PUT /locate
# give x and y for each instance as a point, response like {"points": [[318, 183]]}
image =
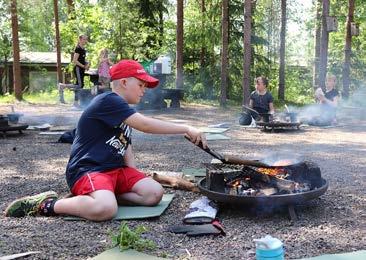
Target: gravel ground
{"points": [[334, 223]]}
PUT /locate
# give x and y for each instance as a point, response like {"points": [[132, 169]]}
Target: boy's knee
{"points": [[104, 212], [153, 198]]}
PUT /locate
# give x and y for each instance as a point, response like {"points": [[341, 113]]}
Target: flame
{"points": [[270, 171], [283, 162], [236, 183]]}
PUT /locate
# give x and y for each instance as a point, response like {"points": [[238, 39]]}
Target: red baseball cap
{"points": [[131, 68]]}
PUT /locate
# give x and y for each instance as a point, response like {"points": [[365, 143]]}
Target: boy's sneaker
{"points": [[28, 206]]}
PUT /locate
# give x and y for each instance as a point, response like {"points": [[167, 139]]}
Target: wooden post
{"points": [[179, 50], [224, 51], [318, 4], [281, 87], [348, 49], [324, 45], [17, 81], [247, 50], [58, 44]]}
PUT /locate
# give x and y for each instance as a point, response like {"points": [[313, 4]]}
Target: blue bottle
{"points": [[269, 248]]}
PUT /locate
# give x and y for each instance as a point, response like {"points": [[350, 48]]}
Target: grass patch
{"points": [[44, 97], [127, 238]]}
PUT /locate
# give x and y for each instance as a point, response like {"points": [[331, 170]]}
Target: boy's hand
{"points": [[196, 136]]}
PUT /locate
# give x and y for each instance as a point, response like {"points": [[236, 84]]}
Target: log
{"points": [[175, 182], [283, 185], [287, 186]]}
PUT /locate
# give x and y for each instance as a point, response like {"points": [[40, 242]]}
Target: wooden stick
{"points": [[175, 182]]}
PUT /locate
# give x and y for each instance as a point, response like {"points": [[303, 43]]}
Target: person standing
{"points": [[103, 71], [80, 65]]}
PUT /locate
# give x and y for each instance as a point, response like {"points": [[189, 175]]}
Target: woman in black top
{"points": [[81, 65]]}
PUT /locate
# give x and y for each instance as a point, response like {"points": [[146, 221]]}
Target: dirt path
{"points": [[336, 222]]}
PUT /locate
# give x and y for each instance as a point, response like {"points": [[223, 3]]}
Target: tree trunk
{"points": [[348, 49], [318, 4], [70, 7], [120, 42], [203, 38], [58, 44], [179, 54], [17, 83], [224, 52], [281, 87], [161, 23], [324, 45], [247, 50]]}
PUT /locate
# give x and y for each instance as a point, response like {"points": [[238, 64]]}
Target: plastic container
{"points": [[163, 65], [269, 248]]}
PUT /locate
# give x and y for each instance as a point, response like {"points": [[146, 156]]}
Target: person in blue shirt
{"points": [[327, 103], [101, 172]]}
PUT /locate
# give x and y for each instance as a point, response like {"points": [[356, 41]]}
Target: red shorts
{"points": [[119, 181]]}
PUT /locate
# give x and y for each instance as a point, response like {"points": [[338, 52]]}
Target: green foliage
{"points": [[145, 29], [5, 31], [36, 14], [131, 239], [41, 97]]}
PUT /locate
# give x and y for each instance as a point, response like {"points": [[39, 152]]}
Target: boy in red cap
{"points": [[101, 171]]}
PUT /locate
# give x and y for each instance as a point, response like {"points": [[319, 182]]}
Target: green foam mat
{"points": [[116, 254], [138, 212], [357, 255]]}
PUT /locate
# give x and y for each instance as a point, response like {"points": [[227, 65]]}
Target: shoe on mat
{"points": [[28, 206]]}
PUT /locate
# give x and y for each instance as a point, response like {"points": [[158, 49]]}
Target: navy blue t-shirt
{"points": [[331, 94], [261, 102], [101, 138]]}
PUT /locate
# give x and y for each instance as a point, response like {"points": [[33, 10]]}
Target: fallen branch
{"points": [[175, 182]]}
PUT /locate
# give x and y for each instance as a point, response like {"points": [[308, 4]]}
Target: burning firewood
{"points": [[287, 186], [175, 182]]}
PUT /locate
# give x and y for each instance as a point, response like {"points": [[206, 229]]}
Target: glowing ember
{"points": [[270, 171]]}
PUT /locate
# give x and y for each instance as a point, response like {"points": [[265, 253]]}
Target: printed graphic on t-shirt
{"points": [[121, 142]]}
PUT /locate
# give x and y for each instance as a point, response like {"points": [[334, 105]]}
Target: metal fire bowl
{"points": [[272, 200], [278, 124]]}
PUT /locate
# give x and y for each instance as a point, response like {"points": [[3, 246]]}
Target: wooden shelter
{"points": [[38, 70]]}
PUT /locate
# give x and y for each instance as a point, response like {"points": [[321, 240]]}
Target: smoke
{"points": [[354, 108], [67, 120]]}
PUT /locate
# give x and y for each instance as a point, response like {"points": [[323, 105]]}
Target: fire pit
{"points": [[281, 121], [263, 187], [277, 125], [6, 125]]}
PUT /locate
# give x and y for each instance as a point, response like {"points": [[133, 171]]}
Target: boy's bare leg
{"points": [[146, 192], [98, 206]]}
